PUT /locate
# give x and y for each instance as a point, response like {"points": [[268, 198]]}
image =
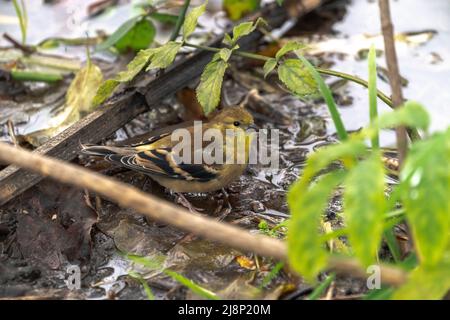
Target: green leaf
{"points": [[190, 22], [225, 54], [411, 114], [269, 66], [236, 9], [425, 179], [205, 293], [425, 284], [243, 29], [104, 91], [227, 39], [208, 91], [164, 56], [82, 90], [306, 252], [138, 38], [364, 207], [280, 2], [119, 33], [288, 47], [297, 78], [133, 68], [164, 17]]}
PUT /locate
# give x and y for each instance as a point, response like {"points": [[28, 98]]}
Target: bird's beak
{"points": [[253, 126]]}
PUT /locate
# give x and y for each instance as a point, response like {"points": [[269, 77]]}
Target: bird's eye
{"points": [[236, 123]]}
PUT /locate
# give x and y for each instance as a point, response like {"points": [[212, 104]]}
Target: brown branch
{"points": [[163, 211], [16, 44], [393, 73]]}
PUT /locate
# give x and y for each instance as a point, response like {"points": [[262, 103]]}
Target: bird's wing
{"points": [[151, 139], [161, 162]]}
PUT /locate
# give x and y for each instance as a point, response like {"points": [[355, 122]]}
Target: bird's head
{"points": [[234, 118]]}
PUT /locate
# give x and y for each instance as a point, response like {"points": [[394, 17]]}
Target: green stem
{"points": [[21, 75], [357, 80], [180, 20], [329, 72], [412, 132]]}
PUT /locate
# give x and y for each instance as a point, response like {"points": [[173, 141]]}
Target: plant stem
{"points": [[414, 135], [394, 73], [383, 97], [180, 20], [21, 75], [329, 72]]}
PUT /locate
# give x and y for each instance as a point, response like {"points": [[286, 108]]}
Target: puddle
{"points": [[423, 54]]}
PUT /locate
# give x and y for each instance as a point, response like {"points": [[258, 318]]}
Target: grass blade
{"points": [[21, 12], [320, 289], [373, 111], [144, 283], [271, 275], [205, 293], [326, 94]]}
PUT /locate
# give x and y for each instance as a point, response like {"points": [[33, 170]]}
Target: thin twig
{"points": [[180, 20], [393, 72], [163, 211], [16, 44]]}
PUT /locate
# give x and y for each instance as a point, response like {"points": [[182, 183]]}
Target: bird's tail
{"points": [[103, 151]]}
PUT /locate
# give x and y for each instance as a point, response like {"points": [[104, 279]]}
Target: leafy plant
{"points": [[138, 32], [423, 187], [297, 74]]}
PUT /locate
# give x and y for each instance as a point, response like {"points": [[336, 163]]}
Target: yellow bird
{"points": [[156, 155]]}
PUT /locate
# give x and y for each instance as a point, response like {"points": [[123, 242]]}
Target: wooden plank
{"points": [[119, 110]]}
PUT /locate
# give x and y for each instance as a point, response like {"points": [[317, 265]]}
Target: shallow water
{"points": [[425, 65]]}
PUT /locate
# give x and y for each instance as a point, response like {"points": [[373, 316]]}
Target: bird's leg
{"points": [[181, 199], [226, 198], [224, 212]]}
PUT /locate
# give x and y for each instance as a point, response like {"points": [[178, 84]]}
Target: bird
{"points": [[156, 155]]}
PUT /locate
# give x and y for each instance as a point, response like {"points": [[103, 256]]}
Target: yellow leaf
{"points": [[82, 90], [245, 262]]}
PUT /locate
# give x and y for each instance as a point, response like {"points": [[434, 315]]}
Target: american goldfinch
{"points": [[156, 156]]}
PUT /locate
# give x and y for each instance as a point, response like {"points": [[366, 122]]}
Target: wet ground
{"points": [[50, 227]]}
